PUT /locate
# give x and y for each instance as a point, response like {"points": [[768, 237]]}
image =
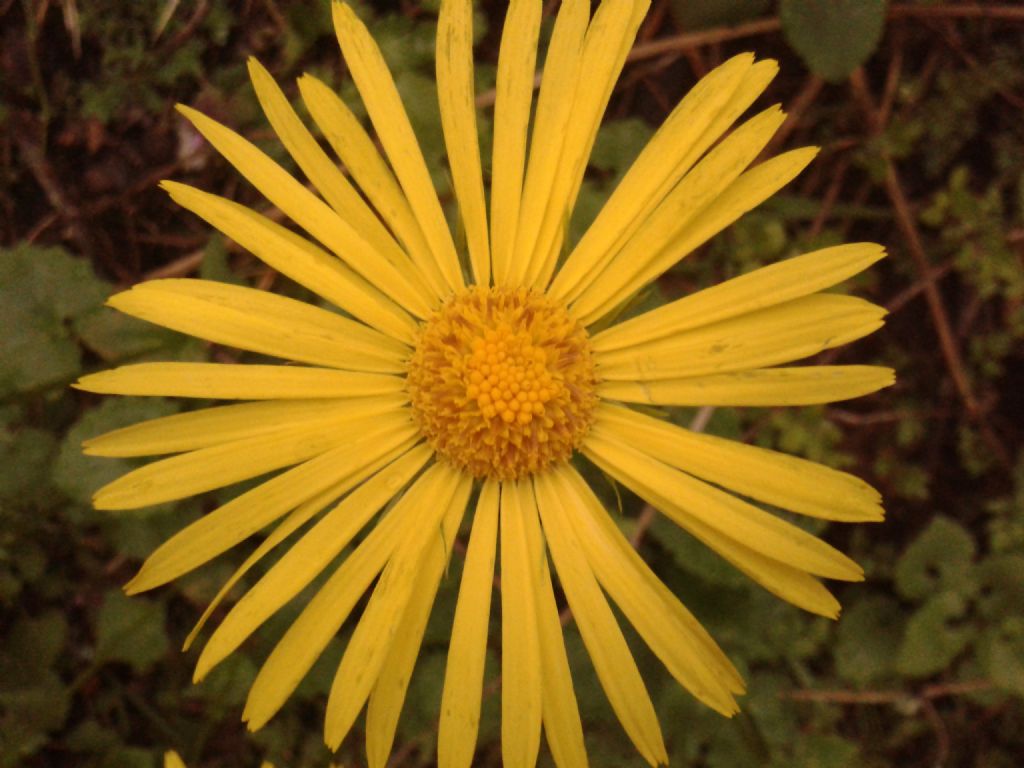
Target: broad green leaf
{"points": [[79, 476], [131, 630], [866, 634], [833, 37], [934, 636], [938, 560], [33, 699], [41, 289]]}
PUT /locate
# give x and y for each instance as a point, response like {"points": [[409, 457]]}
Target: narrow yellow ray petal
{"points": [[517, 60], [612, 659], [323, 616], [554, 105], [467, 650], [744, 194], [455, 92], [172, 760], [521, 704], [262, 322], [561, 713], [212, 426], [769, 476], [685, 499], [761, 288], [609, 38], [656, 170], [297, 258], [384, 105], [376, 631], [646, 601], [295, 520], [797, 385], [750, 88], [309, 556], [237, 382], [780, 334], [389, 691], [353, 145], [653, 248], [308, 211], [325, 175], [672, 633], [188, 474], [244, 515], [783, 580]]}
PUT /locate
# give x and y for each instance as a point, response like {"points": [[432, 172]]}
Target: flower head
{"points": [[450, 377]]}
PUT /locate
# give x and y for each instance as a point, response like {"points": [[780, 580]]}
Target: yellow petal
{"points": [[613, 661], [323, 616], [295, 520], [686, 500], [377, 629], [262, 322], [353, 145], [674, 635], [464, 672], [173, 760], [517, 60], [656, 244], [554, 105], [188, 474], [796, 329], [384, 106], [656, 170], [609, 38], [562, 726], [308, 211], [769, 476], [771, 386], [761, 288], [212, 426], [389, 691], [455, 92], [237, 382], [244, 515], [297, 258], [326, 176], [521, 704], [298, 567]]}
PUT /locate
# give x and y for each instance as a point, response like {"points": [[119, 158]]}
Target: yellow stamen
{"points": [[502, 382]]}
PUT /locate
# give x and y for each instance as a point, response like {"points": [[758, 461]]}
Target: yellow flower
{"points": [[449, 376]]}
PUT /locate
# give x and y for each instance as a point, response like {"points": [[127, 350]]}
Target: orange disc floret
{"points": [[502, 382]]}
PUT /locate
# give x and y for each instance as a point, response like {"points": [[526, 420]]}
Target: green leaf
{"points": [[933, 637], [1000, 586], [867, 633], [938, 560], [78, 475], [833, 37], [130, 630], [33, 699], [41, 289], [115, 337], [1002, 655], [25, 457], [618, 143]]}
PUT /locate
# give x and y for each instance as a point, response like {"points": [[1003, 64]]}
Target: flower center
{"points": [[502, 382]]}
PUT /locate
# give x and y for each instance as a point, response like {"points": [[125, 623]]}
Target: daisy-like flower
{"points": [[485, 375]]}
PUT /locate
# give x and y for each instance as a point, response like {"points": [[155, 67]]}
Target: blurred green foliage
{"points": [[924, 668]]}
